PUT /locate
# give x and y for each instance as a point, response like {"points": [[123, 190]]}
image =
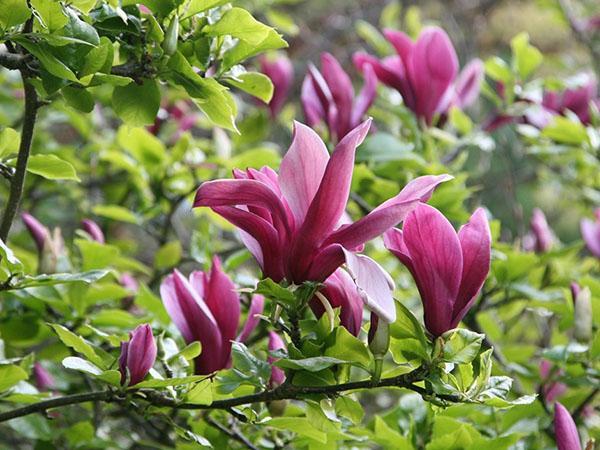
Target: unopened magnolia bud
{"points": [[53, 253], [379, 336], [277, 407], [169, 45], [583, 316]]}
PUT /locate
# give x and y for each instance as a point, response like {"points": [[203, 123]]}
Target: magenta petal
{"points": [[434, 67], [437, 264], [256, 308], [277, 374], [391, 73], [264, 245], [541, 231], [475, 241], [331, 198], [375, 286], [420, 188], [565, 430], [468, 83], [140, 353], [402, 43], [590, 231], [342, 92], [366, 96], [311, 103], [394, 242], [281, 72], [93, 229], [243, 192], [302, 169], [43, 379], [325, 262], [38, 231]]}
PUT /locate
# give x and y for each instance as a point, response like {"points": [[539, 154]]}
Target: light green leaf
{"points": [[244, 50], [7, 255], [154, 383], [11, 375], [77, 343], [344, 346], [254, 83], [137, 104], [82, 365], [460, 345], [239, 23], [197, 6], [526, 58], [9, 141], [314, 364], [201, 393], [13, 12], [51, 13], [51, 167], [565, 131], [60, 278], [50, 62], [298, 425], [116, 212]]}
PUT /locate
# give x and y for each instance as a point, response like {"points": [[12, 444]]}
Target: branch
{"points": [[231, 432], [283, 392], [13, 61]]}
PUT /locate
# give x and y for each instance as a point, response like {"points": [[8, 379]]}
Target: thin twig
{"points": [[231, 432]]}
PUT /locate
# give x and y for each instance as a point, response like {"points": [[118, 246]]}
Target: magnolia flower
{"points": [[292, 222], [577, 99], [565, 431], [341, 292], [449, 268], [205, 308], [425, 73], [43, 379], [93, 230], [137, 355], [590, 230], [277, 374], [281, 72], [541, 237], [552, 390], [51, 247], [328, 96]]}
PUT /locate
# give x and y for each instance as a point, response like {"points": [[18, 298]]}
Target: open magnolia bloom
{"points": [[425, 72], [292, 221], [449, 268]]}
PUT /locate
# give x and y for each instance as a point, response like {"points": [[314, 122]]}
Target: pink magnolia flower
{"points": [[541, 237], [205, 308], [341, 292], [552, 390], [565, 431], [138, 355], [576, 99], [277, 374], [328, 96], [43, 379], [590, 230], [281, 72], [425, 72], [449, 268], [93, 230], [291, 222]]}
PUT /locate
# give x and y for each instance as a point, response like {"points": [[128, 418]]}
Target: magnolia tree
{"points": [[199, 249]]}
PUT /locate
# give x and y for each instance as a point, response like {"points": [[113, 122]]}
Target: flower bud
{"points": [[169, 45], [277, 374], [582, 324], [43, 379], [137, 355], [565, 430], [379, 336], [38, 231], [93, 229]]}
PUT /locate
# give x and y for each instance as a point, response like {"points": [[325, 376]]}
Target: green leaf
{"points": [[11, 375], [189, 352], [460, 345], [526, 58], [9, 141], [13, 12], [168, 255], [51, 167], [116, 212], [51, 14], [374, 38], [82, 365], [344, 346], [497, 69], [349, 408], [51, 63], [146, 299], [253, 83], [565, 131], [145, 148], [7, 256], [244, 50], [298, 425], [387, 437], [78, 98], [61, 278], [275, 291], [201, 393], [460, 121], [77, 343], [197, 6], [239, 23], [98, 59], [137, 104], [314, 364], [115, 318]]}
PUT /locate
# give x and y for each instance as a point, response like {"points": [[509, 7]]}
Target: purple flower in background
{"points": [[43, 379], [205, 308], [425, 73], [328, 97], [51, 247], [552, 390], [541, 237], [590, 231], [341, 292], [449, 268], [292, 222], [137, 355], [281, 72], [565, 431], [576, 99], [39, 232], [277, 374], [93, 229]]}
